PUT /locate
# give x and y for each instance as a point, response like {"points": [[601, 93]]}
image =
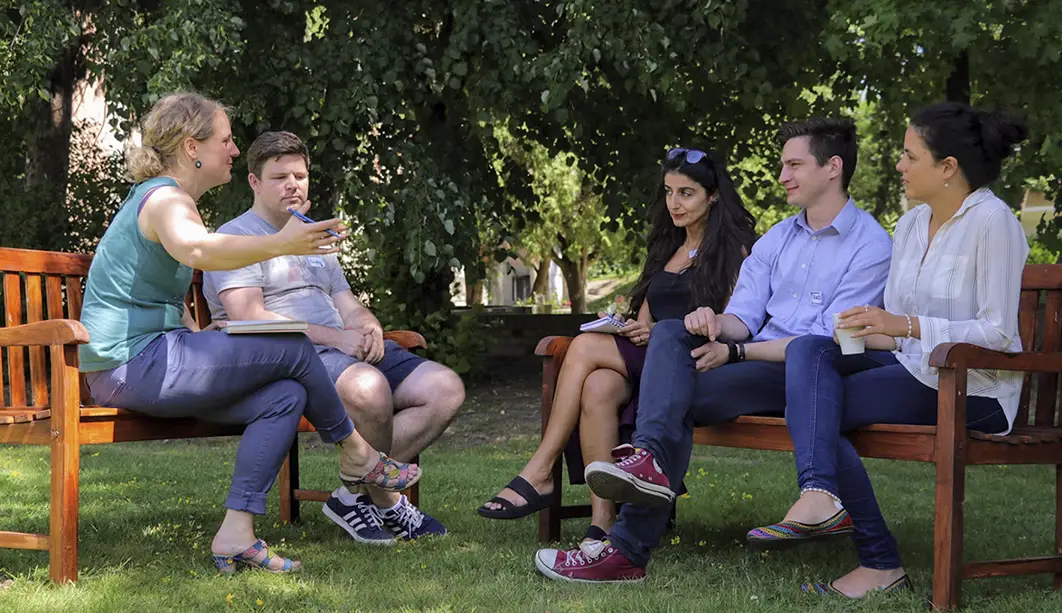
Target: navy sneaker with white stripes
{"points": [[361, 520], [406, 521]]}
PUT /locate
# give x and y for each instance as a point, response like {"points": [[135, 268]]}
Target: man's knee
{"points": [[448, 393], [366, 393], [803, 347], [670, 331]]}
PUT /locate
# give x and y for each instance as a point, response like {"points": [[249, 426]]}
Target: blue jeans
{"points": [[674, 398], [830, 394], [266, 382]]}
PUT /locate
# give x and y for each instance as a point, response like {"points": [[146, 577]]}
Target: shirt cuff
{"points": [[932, 332]]}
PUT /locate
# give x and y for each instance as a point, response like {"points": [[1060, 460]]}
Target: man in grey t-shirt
{"points": [[399, 402]]}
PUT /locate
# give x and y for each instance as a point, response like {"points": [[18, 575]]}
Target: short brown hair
{"points": [[828, 138], [270, 145]]}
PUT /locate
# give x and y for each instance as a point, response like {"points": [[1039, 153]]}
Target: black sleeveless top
{"points": [[669, 295]]}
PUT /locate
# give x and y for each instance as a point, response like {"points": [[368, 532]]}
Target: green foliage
{"points": [[1039, 253], [402, 105]]}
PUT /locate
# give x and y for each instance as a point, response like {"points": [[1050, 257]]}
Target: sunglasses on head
{"points": [[692, 155]]}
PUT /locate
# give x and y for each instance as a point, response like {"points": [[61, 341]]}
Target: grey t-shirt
{"points": [[299, 287]]}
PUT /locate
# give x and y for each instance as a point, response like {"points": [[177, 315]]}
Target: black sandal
{"points": [[535, 502]]}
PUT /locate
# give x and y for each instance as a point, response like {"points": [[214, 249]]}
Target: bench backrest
{"points": [[1040, 326], [39, 285]]}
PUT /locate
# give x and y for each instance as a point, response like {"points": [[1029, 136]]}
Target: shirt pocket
{"points": [[950, 276]]}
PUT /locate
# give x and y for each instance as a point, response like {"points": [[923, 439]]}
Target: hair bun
{"points": [[1000, 132]]}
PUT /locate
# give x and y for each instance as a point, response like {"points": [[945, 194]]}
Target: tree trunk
{"points": [[541, 286], [574, 272], [474, 292], [957, 88], [48, 153]]}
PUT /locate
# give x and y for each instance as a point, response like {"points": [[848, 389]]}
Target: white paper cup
{"points": [[849, 345]]}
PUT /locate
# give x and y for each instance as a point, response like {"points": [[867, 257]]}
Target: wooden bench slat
{"points": [[44, 262], [16, 366], [32, 413], [24, 540], [1027, 326], [38, 369], [53, 289]]}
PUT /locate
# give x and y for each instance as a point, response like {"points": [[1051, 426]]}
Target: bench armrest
{"points": [[45, 333], [966, 355], [553, 346], [407, 338]]}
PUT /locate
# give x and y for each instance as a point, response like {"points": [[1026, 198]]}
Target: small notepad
{"points": [[607, 325], [265, 326]]}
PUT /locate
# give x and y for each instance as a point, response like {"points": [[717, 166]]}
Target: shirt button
{"points": [[814, 238], [803, 265], [796, 295]]}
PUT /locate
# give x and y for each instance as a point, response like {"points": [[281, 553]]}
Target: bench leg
{"points": [[1058, 520], [62, 548], [549, 518], [65, 466], [288, 482], [413, 493]]}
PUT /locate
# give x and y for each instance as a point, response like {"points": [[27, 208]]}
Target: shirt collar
{"points": [[976, 197], [842, 223]]}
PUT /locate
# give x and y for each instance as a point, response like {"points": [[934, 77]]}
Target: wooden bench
{"points": [[1036, 438], [45, 400]]}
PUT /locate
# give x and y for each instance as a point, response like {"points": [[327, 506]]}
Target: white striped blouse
{"points": [[965, 289]]}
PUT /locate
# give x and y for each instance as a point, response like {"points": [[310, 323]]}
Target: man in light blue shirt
{"points": [[714, 367]]}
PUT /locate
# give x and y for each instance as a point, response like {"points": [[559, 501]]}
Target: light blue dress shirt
{"points": [[795, 279]]}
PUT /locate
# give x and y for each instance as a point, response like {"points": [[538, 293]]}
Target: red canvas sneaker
{"points": [[634, 478], [590, 562]]}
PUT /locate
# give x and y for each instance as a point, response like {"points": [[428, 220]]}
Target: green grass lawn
{"points": [[149, 511]]}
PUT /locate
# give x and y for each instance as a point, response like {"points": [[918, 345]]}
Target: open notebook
{"points": [[607, 324], [265, 326]]}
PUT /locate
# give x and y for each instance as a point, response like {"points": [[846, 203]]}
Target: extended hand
{"points": [[300, 238]]}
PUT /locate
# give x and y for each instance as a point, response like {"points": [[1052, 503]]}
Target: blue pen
{"points": [[308, 220]]}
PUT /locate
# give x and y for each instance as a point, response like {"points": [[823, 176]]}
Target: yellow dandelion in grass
{"points": [[260, 602], [229, 598], [676, 540], [701, 543]]}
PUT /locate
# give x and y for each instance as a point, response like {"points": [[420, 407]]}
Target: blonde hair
{"points": [[173, 119]]}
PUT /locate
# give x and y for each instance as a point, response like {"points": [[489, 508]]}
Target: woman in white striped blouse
{"points": [[955, 276]]}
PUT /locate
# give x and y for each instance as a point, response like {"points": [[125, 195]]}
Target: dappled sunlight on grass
{"points": [[149, 511]]}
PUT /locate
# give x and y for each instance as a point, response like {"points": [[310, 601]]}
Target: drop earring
{"points": [[945, 183], [199, 164]]}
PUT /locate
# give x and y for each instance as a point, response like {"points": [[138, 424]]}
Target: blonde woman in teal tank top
{"points": [[146, 353]]}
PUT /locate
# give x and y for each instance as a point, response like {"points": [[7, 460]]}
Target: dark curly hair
{"points": [[729, 232]]}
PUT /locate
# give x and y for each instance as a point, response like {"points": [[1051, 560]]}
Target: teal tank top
{"points": [[135, 290]]}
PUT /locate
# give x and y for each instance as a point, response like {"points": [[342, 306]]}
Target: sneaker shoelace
{"points": [[631, 459], [409, 517], [374, 516], [585, 554]]}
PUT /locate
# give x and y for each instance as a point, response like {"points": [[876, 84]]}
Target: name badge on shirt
{"points": [[317, 261], [816, 297]]}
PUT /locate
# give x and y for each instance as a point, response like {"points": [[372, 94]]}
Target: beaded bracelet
{"points": [[910, 329]]}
